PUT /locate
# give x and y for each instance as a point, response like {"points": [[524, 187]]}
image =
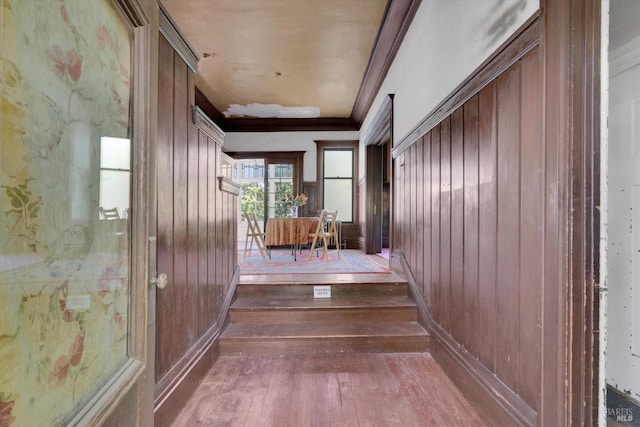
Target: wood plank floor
{"points": [[384, 389]]}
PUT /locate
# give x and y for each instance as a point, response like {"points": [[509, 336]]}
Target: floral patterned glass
{"points": [[64, 199]]}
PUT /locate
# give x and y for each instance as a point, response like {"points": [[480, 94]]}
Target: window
{"points": [[337, 171], [115, 175]]}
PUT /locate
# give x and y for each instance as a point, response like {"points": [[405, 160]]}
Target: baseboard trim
{"points": [[176, 387], [497, 404]]}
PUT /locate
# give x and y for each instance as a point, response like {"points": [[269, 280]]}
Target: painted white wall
{"points": [[286, 141], [447, 41], [622, 202]]}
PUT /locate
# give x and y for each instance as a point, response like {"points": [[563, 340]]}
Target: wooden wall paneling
{"points": [[397, 238], [555, 300], [394, 184], [212, 189], [398, 191], [445, 223], [456, 304], [435, 225], [408, 214], [218, 235], [401, 186], [165, 200], [205, 318], [406, 203], [224, 267], [179, 336], [192, 326], [428, 225], [419, 203], [487, 226], [508, 277], [223, 251], [471, 231], [412, 208], [229, 237], [501, 269], [531, 230]]}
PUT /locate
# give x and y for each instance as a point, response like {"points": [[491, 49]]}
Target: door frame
{"points": [[274, 157], [375, 141], [570, 69]]}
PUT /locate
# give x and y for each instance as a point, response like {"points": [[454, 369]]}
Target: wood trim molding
{"points": [[176, 39], [269, 155], [244, 124], [98, 409], [517, 46], [228, 185], [395, 24], [570, 48], [381, 129], [208, 108], [206, 125], [134, 12], [498, 404]]}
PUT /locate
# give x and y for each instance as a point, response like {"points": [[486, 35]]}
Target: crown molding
{"points": [[395, 24]]}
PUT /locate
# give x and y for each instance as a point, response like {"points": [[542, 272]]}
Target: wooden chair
{"points": [[325, 232], [254, 234], [109, 214]]}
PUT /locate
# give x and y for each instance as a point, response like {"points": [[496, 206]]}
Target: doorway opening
{"points": [[267, 181], [379, 173]]}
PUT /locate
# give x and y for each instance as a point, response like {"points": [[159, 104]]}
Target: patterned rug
{"points": [[282, 262]]}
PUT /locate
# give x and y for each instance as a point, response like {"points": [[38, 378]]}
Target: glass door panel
{"points": [[280, 189], [65, 187]]}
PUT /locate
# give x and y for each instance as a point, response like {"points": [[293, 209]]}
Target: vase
{"points": [[294, 211]]}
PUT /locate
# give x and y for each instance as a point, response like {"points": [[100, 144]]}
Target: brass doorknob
{"points": [[159, 282]]}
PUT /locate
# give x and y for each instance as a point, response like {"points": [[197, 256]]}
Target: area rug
{"points": [[282, 262]]}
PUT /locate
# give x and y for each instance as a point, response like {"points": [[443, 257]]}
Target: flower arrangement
{"points": [[299, 200]]}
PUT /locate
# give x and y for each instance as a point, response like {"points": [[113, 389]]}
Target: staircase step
{"points": [[398, 288], [324, 338], [336, 309]]}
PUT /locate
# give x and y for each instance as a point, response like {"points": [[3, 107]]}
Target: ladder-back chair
{"points": [[109, 214], [325, 232], [254, 234]]}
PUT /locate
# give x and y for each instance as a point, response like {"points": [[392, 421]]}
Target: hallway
{"points": [[384, 389]]}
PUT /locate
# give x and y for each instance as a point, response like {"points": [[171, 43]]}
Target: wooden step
{"points": [[278, 314], [397, 288], [337, 309], [282, 338]]}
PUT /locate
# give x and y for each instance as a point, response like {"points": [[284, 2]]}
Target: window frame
{"points": [[341, 145]]}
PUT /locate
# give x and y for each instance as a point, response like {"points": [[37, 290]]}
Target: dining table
{"points": [[292, 232]]}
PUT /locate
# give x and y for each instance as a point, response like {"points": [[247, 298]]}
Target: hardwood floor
{"points": [[385, 389]]}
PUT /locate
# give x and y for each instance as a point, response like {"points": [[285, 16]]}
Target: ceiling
{"points": [[310, 62]]}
